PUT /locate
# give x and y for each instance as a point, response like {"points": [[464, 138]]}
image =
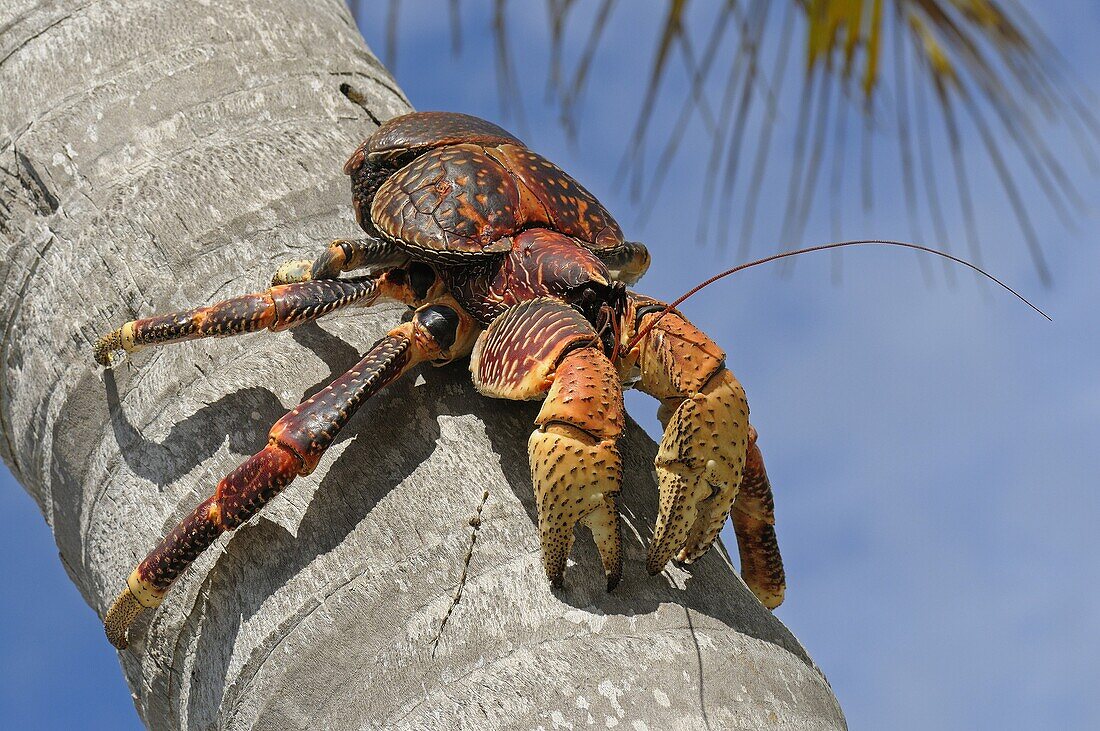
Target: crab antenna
{"points": [[823, 247]]}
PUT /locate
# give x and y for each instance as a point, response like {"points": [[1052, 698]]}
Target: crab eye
{"points": [[588, 296]]}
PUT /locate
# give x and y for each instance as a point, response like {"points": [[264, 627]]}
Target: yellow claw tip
{"points": [[108, 350], [115, 346], [120, 616]]}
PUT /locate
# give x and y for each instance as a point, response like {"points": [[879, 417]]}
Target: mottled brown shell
{"points": [[421, 131], [471, 188], [565, 205], [454, 199]]}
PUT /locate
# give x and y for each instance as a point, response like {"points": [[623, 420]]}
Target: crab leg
{"points": [[295, 446], [754, 524], [341, 255], [706, 420], [575, 464], [545, 348], [277, 308]]}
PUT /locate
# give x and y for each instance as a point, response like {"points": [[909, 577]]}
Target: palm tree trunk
{"points": [[161, 155]]}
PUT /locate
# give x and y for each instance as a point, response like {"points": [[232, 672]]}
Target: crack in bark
{"points": [[475, 523], [5, 342], [45, 201]]}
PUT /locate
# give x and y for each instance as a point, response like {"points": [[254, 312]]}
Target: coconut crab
{"points": [[504, 258]]}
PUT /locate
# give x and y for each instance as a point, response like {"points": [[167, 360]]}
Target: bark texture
{"points": [[155, 156]]}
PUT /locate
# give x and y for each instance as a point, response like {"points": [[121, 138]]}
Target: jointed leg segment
{"points": [[296, 444], [277, 308], [342, 255], [575, 464], [754, 524]]}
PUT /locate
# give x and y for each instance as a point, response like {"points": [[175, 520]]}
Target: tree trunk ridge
{"points": [[157, 156]]}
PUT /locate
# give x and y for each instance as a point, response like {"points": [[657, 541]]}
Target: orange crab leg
{"points": [[754, 524], [296, 444], [277, 308], [709, 465], [544, 348]]}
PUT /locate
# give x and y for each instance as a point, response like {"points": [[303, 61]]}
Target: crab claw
{"points": [[576, 481], [699, 469], [545, 348]]}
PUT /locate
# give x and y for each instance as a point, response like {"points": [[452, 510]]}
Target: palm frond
{"points": [[935, 73]]}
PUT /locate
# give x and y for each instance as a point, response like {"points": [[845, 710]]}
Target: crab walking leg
{"points": [[575, 464], [706, 420], [754, 524], [295, 446], [277, 308], [341, 255]]}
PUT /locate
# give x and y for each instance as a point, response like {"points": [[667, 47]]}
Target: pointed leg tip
{"points": [[687, 557], [556, 579], [108, 351], [124, 610], [769, 598], [613, 580]]}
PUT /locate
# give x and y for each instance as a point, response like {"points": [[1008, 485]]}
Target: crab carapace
{"points": [[506, 259]]}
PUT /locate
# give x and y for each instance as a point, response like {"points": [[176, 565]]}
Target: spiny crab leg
{"points": [[295, 446], [546, 348], [277, 308], [754, 524], [341, 255], [706, 419], [575, 464]]}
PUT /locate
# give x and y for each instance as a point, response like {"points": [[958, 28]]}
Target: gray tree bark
{"points": [[160, 155]]}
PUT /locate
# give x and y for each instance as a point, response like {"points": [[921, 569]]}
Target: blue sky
{"points": [[933, 447]]}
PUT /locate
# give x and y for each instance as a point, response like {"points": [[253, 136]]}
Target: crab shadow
{"points": [[263, 556]]}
